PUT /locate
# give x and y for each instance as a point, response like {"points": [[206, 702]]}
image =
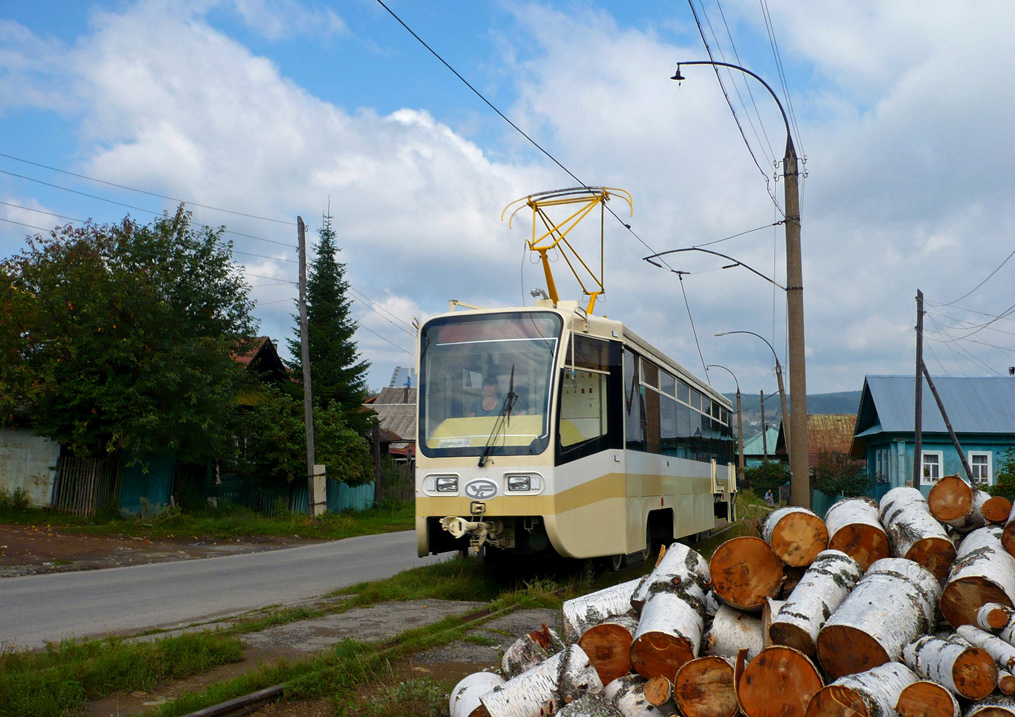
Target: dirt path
{"points": [[35, 550]]}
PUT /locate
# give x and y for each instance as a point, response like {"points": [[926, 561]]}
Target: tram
{"points": [[547, 430]]}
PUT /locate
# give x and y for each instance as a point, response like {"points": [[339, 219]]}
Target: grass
{"points": [[59, 679], [225, 523]]}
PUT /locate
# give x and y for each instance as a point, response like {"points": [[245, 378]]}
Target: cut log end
{"points": [[798, 538], [864, 543], [950, 498], [608, 647], [963, 597], [745, 571], [658, 690], [1006, 683], [779, 682], [996, 509], [844, 650], [926, 699], [837, 701], [704, 688], [657, 654], [784, 633], [993, 616], [975, 674], [936, 554]]}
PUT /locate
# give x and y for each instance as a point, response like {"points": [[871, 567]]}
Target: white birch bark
{"points": [[982, 572], [796, 535], [670, 630], [824, 586], [878, 689], [628, 696], [768, 613], [589, 706], [678, 565], [465, 697], [890, 606], [993, 706], [712, 603], [913, 532], [924, 698], [995, 617], [1001, 651], [529, 650], [731, 631], [966, 670], [583, 612], [855, 529], [551, 684]]}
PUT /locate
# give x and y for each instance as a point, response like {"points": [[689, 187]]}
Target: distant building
{"points": [[980, 410], [755, 448], [396, 412], [826, 433]]}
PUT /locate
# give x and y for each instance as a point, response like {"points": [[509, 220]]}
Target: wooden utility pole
{"points": [[315, 502], [918, 411], [948, 425], [764, 429]]}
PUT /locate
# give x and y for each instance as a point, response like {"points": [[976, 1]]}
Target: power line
{"points": [[950, 303]]}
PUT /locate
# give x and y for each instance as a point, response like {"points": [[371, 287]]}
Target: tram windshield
{"points": [[468, 367]]}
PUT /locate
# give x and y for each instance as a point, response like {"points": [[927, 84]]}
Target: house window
{"points": [[932, 461], [980, 465], [881, 465]]}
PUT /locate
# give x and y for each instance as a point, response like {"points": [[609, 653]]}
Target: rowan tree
{"points": [[123, 336]]}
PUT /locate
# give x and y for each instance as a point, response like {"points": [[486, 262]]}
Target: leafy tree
{"points": [[338, 375], [120, 337], [272, 441], [839, 474], [769, 475], [1004, 479]]}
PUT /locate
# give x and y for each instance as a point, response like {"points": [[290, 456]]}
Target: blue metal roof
{"points": [[753, 446], [974, 404]]}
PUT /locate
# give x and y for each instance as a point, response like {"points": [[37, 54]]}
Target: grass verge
{"points": [[59, 679]]}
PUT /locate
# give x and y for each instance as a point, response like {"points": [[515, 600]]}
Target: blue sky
{"points": [[270, 110]]}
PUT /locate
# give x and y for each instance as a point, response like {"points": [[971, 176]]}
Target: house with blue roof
{"points": [[981, 411]]}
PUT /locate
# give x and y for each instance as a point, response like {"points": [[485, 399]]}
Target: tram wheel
{"points": [[646, 552], [615, 562]]}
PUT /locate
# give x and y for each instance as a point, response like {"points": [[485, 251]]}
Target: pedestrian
{"points": [[768, 497]]}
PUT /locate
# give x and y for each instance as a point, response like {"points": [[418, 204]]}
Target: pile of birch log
{"points": [[904, 607]]}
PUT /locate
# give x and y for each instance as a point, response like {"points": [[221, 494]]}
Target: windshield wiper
{"points": [[503, 417]]}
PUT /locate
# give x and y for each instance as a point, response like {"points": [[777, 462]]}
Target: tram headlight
{"points": [[447, 484], [519, 483]]}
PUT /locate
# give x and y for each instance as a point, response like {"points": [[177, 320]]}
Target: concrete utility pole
{"points": [[316, 500], [918, 410], [740, 423], [800, 493], [764, 429]]}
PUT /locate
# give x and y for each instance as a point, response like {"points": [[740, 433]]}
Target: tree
{"points": [[767, 476], [124, 336], [840, 474], [1004, 479], [338, 375]]}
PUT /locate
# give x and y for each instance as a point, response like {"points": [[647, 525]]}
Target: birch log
{"points": [[732, 631], [1008, 534], [703, 687], [608, 646], [659, 690], [548, 686], [1002, 652], [955, 502], [796, 535], [983, 573], [529, 650], [824, 586], [914, 533], [927, 699], [779, 682], [890, 606], [589, 706], [744, 572], [866, 694], [627, 694], [1005, 682], [465, 697], [855, 529], [679, 564], [583, 612], [768, 614], [670, 630], [995, 706], [966, 670], [994, 616], [997, 509]]}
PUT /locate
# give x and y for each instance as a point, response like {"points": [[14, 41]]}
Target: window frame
{"points": [[990, 466], [923, 466]]}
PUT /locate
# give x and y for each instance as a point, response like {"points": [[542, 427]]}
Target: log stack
{"points": [[852, 639]]}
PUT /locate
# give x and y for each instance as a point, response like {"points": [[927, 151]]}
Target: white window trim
{"points": [[990, 464], [940, 465]]}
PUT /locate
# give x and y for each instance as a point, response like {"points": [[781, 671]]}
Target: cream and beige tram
{"points": [[546, 430]]}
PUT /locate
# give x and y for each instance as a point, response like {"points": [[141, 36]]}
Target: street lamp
{"points": [[798, 453], [782, 389], [740, 424]]}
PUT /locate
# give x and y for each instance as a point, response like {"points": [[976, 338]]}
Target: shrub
{"points": [[1004, 479], [768, 476], [840, 474], [13, 502]]}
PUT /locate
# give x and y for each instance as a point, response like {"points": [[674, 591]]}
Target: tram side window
{"points": [[634, 432], [589, 418]]}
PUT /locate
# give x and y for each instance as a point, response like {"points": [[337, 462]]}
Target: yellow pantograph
{"points": [[555, 237]]}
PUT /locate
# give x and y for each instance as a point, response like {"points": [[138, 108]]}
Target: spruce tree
{"points": [[338, 375]]}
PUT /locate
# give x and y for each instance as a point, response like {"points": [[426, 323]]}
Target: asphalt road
{"points": [[39, 608]]}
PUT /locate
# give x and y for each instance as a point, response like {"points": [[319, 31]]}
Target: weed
{"points": [[13, 503], [420, 697]]}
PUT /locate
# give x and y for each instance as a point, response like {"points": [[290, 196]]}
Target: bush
{"points": [[768, 476], [840, 474], [12, 503], [1004, 479]]}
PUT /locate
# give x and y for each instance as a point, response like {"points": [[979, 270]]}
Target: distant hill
{"points": [[819, 403]]}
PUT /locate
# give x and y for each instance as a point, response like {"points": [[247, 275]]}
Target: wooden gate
{"points": [[85, 486]]}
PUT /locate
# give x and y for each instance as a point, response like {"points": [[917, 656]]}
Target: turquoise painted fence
{"points": [[820, 503], [340, 497]]}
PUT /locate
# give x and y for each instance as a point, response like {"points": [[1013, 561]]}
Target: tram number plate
{"points": [[454, 443]]}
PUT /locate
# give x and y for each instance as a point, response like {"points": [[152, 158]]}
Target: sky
{"points": [[255, 113]]}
